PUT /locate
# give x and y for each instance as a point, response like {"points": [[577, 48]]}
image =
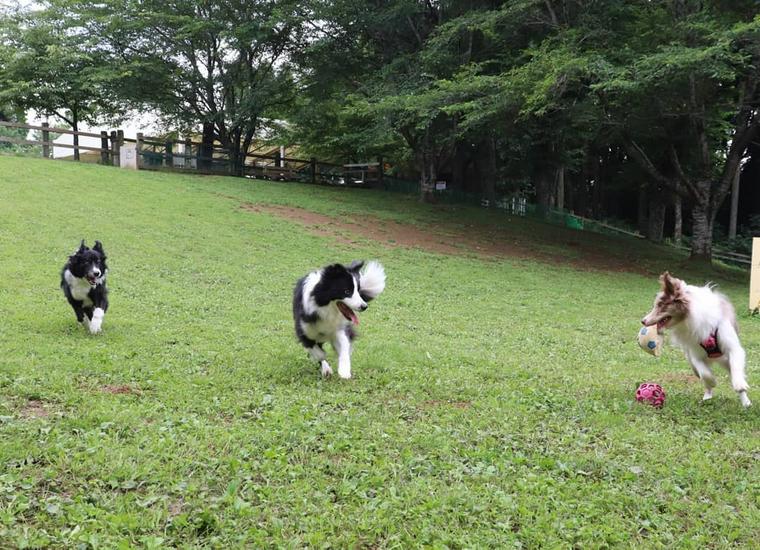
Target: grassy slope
{"points": [[492, 404]]}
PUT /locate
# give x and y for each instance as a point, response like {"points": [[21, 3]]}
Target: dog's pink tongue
{"points": [[348, 313]]}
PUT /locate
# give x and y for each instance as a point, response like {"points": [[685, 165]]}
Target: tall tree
{"points": [[364, 63], [47, 64], [220, 64], [686, 102]]}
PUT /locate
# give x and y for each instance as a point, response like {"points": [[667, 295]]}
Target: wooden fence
{"points": [[109, 142], [153, 153], [188, 155]]}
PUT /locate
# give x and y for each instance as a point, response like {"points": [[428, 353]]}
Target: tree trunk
{"points": [[656, 222], [734, 204], [570, 183], [427, 170], [427, 179], [247, 140], [490, 182], [597, 205], [75, 127], [560, 185], [234, 154], [701, 233], [678, 219], [206, 152], [432, 175], [543, 182]]}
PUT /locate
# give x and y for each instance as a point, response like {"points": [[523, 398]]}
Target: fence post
{"points": [[138, 150], [103, 147], [45, 141], [119, 144], [277, 159], [313, 170], [114, 149]]}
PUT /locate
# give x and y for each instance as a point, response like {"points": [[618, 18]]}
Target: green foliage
{"points": [[548, 86], [49, 65], [496, 414], [14, 114], [223, 63]]}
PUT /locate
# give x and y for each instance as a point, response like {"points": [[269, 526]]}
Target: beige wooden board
{"points": [[754, 282]]}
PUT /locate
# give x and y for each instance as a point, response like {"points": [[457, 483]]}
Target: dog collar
{"points": [[710, 345]]}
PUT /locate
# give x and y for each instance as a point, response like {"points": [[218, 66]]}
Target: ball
{"points": [[650, 340], [651, 393]]}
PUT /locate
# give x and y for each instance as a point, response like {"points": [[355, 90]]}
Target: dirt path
{"points": [[484, 241]]}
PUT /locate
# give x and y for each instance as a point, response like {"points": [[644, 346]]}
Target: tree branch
{"points": [[642, 159], [687, 183]]}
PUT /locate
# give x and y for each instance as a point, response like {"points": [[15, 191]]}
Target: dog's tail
{"points": [[371, 281]]}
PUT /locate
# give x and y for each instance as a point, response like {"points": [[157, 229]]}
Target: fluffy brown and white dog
{"points": [[703, 325]]}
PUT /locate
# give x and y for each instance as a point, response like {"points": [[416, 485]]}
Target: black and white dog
{"points": [[83, 281], [325, 303]]}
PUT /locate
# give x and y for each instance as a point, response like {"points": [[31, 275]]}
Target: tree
{"points": [[595, 103], [221, 65], [48, 65], [364, 64], [686, 105]]}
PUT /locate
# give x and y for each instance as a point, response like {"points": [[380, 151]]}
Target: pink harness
{"points": [[710, 345]]}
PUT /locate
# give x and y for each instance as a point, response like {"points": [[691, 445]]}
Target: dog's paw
{"points": [[344, 374], [740, 385], [326, 370], [707, 396], [744, 399], [94, 328]]}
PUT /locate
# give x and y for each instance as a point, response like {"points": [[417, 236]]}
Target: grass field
{"points": [[492, 404]]}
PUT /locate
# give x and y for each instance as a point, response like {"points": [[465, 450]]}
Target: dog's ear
{"points": [[82, 247], [99, 247], [356, 265], [670, 285]]}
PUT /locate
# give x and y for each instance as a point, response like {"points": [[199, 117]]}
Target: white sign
{"points": [[754, 281], [128, 156], [440, 186]]}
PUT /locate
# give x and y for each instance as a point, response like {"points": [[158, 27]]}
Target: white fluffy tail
{"points": [[372, 280]]}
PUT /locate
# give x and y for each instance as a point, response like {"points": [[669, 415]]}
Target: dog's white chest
{"points": [[325, 328], [79, 288]]}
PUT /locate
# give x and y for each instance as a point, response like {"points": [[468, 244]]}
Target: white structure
{"points": [[128, 156], [754, 284]]}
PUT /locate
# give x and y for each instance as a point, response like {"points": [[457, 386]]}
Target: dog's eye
{"points": [[347, 293]]}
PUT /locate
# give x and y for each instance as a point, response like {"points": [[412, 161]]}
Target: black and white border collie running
{"points": [[83, 281], [325, 303]]}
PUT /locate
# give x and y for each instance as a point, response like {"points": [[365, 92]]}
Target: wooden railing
{"points": [[109, 142], [155, 153], [187, 155]]}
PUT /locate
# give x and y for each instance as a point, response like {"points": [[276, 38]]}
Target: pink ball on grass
{"points": [[651, 393]]}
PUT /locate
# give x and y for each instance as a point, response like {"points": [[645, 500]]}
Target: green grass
{"points": [[492, 404]]}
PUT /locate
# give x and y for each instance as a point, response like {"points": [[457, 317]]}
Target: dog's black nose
{"points": [[362, 308]]}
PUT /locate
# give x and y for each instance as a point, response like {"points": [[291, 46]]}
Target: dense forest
{"points": [[639, 111]]}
